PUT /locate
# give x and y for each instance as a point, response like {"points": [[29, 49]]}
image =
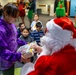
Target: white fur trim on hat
{"points": [[57, 32]]}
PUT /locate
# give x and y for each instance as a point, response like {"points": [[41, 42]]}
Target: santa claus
{"points": [[57, 56]]}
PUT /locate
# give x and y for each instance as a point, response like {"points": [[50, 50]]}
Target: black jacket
{"points": [[31, 6]]}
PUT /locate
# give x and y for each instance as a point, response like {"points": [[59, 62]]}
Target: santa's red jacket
{"points": [[60, 63]]}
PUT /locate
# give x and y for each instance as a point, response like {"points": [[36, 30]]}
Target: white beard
{"points": [[51, 45]]}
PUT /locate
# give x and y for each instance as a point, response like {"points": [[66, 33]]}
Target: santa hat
{"points": [[62, 29]]}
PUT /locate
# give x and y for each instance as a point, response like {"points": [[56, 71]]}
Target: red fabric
{"points": [[60, 63], [66, 23], [46, 30], [21, 10]]}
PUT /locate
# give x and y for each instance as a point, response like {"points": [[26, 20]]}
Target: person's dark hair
{"points": [[20, 24], [25, 29], [37, 15], [11, 10], [1, 10], [38, 24], [0, 5]]}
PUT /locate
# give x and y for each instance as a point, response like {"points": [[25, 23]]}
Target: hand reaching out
{"points": [[37, 48], [25, 57], [25, 60]]}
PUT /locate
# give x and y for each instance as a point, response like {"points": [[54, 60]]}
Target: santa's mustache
{"points": [[51, 43]]}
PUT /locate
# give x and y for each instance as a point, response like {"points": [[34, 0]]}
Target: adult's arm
{"points": [[44, 66], [32, 6]]}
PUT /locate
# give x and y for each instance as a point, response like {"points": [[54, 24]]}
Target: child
{"points": [[27, 38], [9, 41], [21, 27], [25, 35], [38, 33], [22, 8], [33, 24]]}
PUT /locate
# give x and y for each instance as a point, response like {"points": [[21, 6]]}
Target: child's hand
{"points": [[25, 60]]}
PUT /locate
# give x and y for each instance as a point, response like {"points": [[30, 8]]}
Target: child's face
{"points": [[25, 33], [36, 18], [38, 28], [9, 19], [22, 26]]}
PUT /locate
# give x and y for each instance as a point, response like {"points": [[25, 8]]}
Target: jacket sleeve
{"points": [[44, 66], [32, 7], [21, 42], [7, 54]]}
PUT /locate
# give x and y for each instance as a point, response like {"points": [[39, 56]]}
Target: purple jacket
{"points": [[8, 45]]}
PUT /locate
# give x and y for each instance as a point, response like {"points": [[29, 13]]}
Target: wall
{"points": [[45, 5], [44, 2], [3, 2]]}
